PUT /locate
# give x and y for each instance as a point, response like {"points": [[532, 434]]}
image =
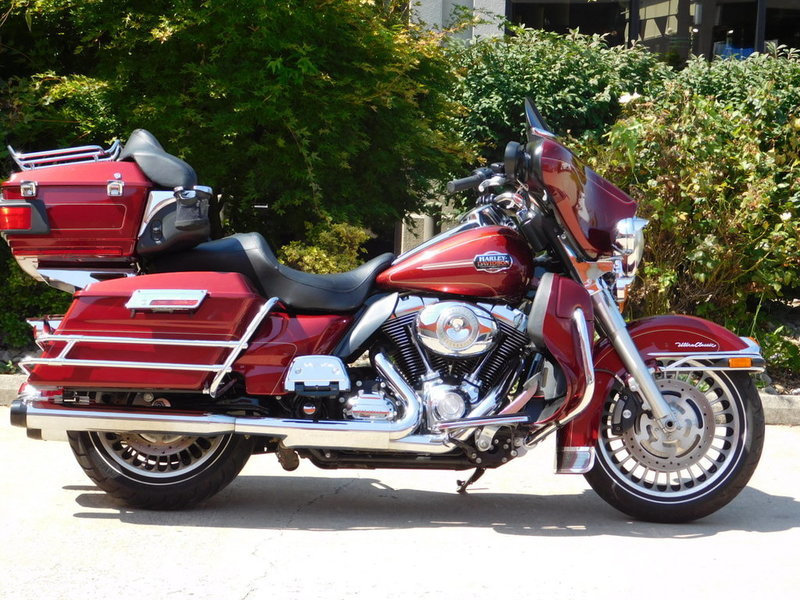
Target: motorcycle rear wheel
{"points": [[693, 471], [160, 472]]}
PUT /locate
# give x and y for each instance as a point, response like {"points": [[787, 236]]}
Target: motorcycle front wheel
{"points": [[691, 471], [160, 472]]}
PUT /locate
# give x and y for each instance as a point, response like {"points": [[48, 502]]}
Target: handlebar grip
{"points": [[468, 183], [465, 183]]}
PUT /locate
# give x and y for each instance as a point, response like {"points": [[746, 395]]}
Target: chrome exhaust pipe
{"points": [[38, 414], [47, 420]]}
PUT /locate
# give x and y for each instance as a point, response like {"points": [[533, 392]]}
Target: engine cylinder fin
{"points": [[406, 355], [506, 352]]}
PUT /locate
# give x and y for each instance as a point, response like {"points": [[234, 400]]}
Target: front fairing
{"points": [[587, 206]]}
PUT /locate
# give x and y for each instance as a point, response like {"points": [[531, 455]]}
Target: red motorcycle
{"points": [[180, 357]]}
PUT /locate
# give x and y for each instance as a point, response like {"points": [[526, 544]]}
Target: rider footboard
{"points": [[168, 331]]}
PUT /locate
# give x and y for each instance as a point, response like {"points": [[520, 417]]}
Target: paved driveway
{"points": [[521, 533]]}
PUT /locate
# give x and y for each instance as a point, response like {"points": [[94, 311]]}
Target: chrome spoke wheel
{"points": [[694, 466], [159, 456], [158, 471], [691, 454]]}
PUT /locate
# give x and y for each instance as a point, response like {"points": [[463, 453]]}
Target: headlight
{"points": [[629, 241]]}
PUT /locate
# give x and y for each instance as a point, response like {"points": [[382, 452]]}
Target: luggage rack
{"points": [[219, 370], [28, 161]]}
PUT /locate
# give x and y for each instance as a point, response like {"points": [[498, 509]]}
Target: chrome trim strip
{"points": [[148, 299], [116, 364], [72, 280], [483, 422], [241, 345], [107, 339], [579, 319], [574, 460]]}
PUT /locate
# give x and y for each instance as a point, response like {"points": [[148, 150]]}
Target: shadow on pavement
{"points": [[342, 504]]}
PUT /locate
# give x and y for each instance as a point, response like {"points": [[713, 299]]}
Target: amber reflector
{"points": [[742, 362]]}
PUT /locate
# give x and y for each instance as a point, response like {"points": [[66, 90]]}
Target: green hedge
{"points": [[576, 81], [710, 151], [714, 160]]}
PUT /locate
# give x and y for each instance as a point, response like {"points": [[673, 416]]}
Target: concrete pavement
{"points": [[778, 410], [521, 531]]}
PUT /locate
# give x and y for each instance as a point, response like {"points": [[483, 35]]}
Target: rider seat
{"points": [[250, 255]]}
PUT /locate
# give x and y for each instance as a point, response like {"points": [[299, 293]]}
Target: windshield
{"points": [[536, 123]]}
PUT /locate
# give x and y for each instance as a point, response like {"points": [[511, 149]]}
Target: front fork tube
{"points": [[605, 309]]}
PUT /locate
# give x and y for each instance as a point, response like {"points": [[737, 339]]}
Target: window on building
{"points": [[734, 30], [608, 17]]}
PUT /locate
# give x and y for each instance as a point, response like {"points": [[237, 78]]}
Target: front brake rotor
{"points": [[681, 446]]}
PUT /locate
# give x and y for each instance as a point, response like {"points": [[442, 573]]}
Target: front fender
{"points": [[675, 338]]}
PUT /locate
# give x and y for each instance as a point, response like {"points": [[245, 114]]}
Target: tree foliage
{"points": [[320, 108], [328, 111]]}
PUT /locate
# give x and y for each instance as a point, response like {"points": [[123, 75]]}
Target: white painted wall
{"points": [[438, 13]]}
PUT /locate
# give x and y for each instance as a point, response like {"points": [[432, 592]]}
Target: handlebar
{"points": [[471, 182]]}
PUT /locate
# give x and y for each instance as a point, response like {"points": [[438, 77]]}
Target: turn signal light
{"points": [[15, 217], [741, 362]]}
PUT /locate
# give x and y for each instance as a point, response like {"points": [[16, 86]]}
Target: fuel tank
{"points": [[490, 261]]}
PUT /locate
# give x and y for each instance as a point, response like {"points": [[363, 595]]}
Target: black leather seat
{"points": [[161, 168], [250, 255]]}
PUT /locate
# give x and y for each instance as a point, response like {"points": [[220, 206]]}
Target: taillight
{"points": [[15, 217]]}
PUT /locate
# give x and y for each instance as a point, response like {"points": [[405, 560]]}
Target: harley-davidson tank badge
{"points": [[492, 262]]}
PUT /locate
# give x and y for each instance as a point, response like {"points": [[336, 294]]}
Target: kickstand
{"points": [[463, 485]]}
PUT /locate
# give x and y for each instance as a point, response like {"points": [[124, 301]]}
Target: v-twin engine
{"points": [[458, 357]]}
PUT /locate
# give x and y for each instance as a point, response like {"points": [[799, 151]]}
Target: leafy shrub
{"points": [[576, 81], [327, 248], [714, 160]]}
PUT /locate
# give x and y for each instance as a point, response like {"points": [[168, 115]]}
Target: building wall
{"points": [[666, 26], [439, 13]]}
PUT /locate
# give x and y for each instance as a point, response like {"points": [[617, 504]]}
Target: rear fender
{"points": [[676, 338]]}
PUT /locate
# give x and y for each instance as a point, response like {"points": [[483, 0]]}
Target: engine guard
{"points": [[677, 339]]}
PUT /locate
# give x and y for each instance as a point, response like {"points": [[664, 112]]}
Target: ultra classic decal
{"points": [[697, 345], [492, 262]]}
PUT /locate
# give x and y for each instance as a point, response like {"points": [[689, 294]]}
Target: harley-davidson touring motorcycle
{"points": [[181, 356]]}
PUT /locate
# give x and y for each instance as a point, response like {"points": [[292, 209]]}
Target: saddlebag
{"points": [[171, 331]]}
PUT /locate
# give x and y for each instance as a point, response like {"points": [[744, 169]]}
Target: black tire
{"points": [[160, 472], [696, 471]]}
